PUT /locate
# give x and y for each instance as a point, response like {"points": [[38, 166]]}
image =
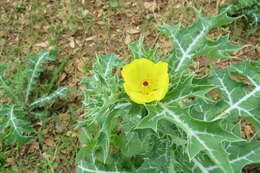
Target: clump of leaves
{"points": [[250, 9], [188, 130], [21, 100]]}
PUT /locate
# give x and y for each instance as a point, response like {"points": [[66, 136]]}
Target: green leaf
{"points": [[105, 64], [9, 90], [190, 42], [219, 48], [160, 159], [104, 142], [250, 9], [241, 154], [133, 139], [185, 87], [246, 3], [103, 88], [150, 120], [202, 136], [89, 167], [238, 100], [206, 111], [253, 16], [16, 126], [62, 91], [35, 69], [138, 50]]}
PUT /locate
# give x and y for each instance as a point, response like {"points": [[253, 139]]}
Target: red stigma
{"points": [[145, 83]]}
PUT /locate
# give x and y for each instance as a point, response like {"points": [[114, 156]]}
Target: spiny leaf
{"points": [[103, 136], [102, 87], [246, 3], [239, 101], [159, 160], [219, 48], [89, 167], [190, 42], [12, 117], [105, 64], [250, 9], [51, 98], [202, 135], [239, 88], [35, 69], [241, 154], [138, 50], [104, 142], [7, 88], [131, 140], [151, 119], [185, 88]]}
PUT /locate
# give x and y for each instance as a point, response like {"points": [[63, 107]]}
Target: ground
{"points": [[78, 30]]}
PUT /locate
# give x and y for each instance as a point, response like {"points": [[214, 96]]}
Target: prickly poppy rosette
{"points": [[145, 81]]}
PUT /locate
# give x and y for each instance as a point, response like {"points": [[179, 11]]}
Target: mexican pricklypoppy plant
{"points": [[155, 115], [22, 100]]}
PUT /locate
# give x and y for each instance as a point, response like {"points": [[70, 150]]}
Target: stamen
{"points": [[145, 83]]}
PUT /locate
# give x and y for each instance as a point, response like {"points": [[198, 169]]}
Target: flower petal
{"points": [[140, 70]]}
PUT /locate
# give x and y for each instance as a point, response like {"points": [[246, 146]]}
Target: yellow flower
{"points": [[145, 81]]}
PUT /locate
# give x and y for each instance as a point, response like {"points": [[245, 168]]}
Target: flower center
{"points": [[145, 83]]}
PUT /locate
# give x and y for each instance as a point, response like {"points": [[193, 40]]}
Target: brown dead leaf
{"points": [[100, 22], [127, 39], [72, 42], [247, 128], [64, 117], [45, 131], [42, 44], [132, 30], [80, 65], [2, 33], [61, 126], [33, 147], [27, 170], [80, 111], [81, 88], [29, 148], [151, 6], [214, 94], [10, 160], [92, 38], [129, 12], [49, 142], [165, 44], [248, 131], [62, 77], [100, 13], [178, 5], [39, 122], [92, 45]]}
